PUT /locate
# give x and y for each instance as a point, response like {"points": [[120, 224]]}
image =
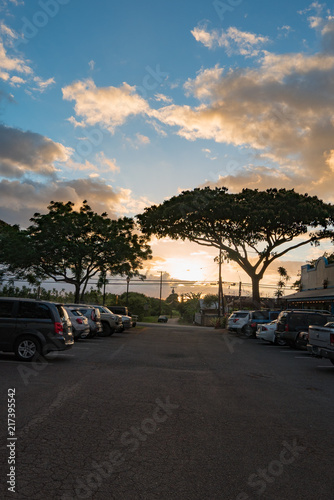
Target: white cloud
{"points": [[162, 97], [109, 107], [109, 163], [283, 109], [233, 40], [42, 85]]}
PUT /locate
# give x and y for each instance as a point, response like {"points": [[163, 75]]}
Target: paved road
{"points": [[167, 412]]}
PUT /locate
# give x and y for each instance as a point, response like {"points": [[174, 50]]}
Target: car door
{"points": [[7, 324]]}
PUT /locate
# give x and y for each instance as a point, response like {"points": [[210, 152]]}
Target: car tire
{"points": [[248, 331], [279, 342], [106, 329], [332, 361], [27, 348]]}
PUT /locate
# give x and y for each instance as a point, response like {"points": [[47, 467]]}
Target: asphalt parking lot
{"points": [[169, 412]]}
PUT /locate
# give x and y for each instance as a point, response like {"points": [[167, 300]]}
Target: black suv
{"points": [[290, 324], [31, 327]]}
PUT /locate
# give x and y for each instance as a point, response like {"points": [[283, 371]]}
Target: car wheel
{"points": [[248, 331], [279, 342], [27, 348], [106, 329]]}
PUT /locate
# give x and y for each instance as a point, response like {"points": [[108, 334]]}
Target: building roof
{"points": [[320, 293]]}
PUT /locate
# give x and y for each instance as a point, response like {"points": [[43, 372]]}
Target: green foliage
{"points": [[260, 222], [282, 282], [210, 300], [189, 306], [73, 246]]}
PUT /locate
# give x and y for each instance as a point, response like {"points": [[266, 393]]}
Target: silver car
{"points": [[80, 324], [93, 316]]}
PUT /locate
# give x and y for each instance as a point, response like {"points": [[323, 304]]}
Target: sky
{"points": [[126, 104]]}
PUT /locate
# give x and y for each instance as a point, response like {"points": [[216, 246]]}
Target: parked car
{"points": [[127, 322], [261, 316], [93, 316], [110, 321], [31, 327], [134, 318], [162, 319], [267, 332], [238, 321], [80, 325], [122, 310], [321, 341], [246, 322], [120, 327], [292, 323]]}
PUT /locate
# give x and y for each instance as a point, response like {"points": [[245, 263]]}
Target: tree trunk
{"points": [[256, 289], [77, 293]]}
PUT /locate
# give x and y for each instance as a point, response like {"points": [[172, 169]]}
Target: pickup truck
{"points": [[321, 341]]}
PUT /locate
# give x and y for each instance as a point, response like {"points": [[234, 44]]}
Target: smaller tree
{"points": [[281, 284], [73, 246]]}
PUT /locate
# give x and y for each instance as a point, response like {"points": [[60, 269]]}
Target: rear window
{"points": [[6, 307], [298, 320], [239, 315], [34, 310], [260, 315], [317, 319], [76, 313], [274, 314]]}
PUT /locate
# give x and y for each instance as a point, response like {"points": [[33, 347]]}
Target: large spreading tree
{"points": [[73, 246], [252, 228]]}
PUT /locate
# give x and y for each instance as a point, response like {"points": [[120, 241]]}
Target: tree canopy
{"points": [[73, 246], [252, 228]]}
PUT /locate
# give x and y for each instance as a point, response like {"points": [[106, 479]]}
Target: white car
{"points": [[267, 332], [238, 321]]}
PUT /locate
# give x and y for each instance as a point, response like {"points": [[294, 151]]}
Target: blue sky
{"points": [[127, 103]]}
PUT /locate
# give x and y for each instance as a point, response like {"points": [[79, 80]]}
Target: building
{"points": [[316, 287]]}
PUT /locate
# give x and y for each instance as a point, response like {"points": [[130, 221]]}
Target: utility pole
{"points": [[160, 293], [127, 290], [220, 284]]}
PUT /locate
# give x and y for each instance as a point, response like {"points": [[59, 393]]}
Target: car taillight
{"points": [[59, 328], [264, 328], [79, 320], [286, 328], [235, 320], [332, 339], [253, 325], [93, 317]]}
